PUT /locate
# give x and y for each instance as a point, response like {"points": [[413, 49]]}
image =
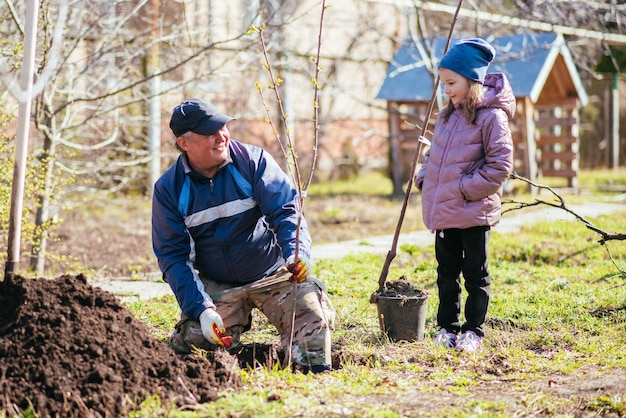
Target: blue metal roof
{"points": [[526, 59]]}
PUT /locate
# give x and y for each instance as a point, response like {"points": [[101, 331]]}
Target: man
{"points": [[224, 222]]}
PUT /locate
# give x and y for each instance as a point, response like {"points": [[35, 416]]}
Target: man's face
{"points": [[206, 152]]}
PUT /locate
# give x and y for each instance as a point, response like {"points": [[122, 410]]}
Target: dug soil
{"points": [[71, 350], [400, 288], [68, 349]]}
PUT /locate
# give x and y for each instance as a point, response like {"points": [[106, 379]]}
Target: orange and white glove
{"points": [[300, 270], [213, 328]]}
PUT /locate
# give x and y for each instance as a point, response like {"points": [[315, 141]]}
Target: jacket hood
{"points": [[499, 94]]}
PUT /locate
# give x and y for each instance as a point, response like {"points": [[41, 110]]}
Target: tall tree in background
{"points": [[91, 117]]}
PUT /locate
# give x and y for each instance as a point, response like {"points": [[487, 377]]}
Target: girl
{"points": [[470, 158]]}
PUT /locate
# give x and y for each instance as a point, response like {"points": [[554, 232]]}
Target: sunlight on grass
{"points": [[609, 404], [161, 314], [557, 313], [368, 183], [595, 178]]}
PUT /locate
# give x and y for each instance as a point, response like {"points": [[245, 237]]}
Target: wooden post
{"points": [[615, 124], [395, 158], [531, 143]]}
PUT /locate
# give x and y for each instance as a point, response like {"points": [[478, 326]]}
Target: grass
{"points": [[376, 183], [373, 183], [557, 319]]}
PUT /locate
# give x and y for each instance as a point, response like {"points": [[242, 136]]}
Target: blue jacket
{"points": [[235, 228]]}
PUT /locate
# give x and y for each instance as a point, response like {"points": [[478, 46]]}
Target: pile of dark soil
{"points": [[400, 288], [71, 350]]}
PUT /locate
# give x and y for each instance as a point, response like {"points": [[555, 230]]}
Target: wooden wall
{"points": [[545, 137]]}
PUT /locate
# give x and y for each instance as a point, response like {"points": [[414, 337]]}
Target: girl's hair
{"points": [[474, 96]]}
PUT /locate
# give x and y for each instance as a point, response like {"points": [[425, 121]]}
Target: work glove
{"points": [[213, 328], [300, 270]]}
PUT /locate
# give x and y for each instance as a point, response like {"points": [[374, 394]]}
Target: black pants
{"points": [[463, 250]]}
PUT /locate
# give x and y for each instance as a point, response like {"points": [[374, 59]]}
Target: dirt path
{"points": [[68, 349], [511, 222], [380, 244]]}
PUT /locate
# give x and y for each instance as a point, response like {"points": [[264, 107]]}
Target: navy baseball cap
{"points": [[198, 116]]}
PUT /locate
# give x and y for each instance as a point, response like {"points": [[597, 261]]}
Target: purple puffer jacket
{"points": [[467, 164]]}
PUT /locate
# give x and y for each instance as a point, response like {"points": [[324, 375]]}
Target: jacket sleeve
{"points": [[173, 248], [498, 161], [278, 200], [419, 177]]}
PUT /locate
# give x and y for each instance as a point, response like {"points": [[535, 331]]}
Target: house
{"points": [[545, 82]]}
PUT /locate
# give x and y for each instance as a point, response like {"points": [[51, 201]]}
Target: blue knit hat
{"points": [[470, 58]]}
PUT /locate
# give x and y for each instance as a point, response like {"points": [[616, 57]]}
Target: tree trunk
{"points": [[42, 217]]}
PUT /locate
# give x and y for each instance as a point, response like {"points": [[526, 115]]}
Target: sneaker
{"points": [[445, 338], [469, 342]]}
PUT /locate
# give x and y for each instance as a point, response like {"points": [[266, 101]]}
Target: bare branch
{"points": [[560, 204], [290, 153], [316, 105], [15, 17], [394, 246]]}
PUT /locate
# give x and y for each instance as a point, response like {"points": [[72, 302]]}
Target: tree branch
{"points": [[560, 204]]}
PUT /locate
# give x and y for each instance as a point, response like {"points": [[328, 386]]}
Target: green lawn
{"points": [[556, 342]]}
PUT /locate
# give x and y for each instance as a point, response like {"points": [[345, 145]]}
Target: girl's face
{"points": [[455, 86]]}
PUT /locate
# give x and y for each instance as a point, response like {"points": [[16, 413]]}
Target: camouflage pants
{"points": [[314, 317]]}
